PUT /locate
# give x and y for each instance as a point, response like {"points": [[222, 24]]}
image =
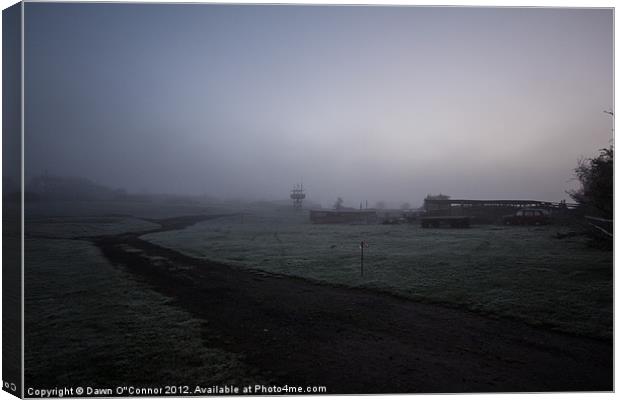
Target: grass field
{"points": [[90, 323], [518, 272]]}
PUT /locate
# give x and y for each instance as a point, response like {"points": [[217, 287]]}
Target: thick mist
{"points": [[365, 103]]}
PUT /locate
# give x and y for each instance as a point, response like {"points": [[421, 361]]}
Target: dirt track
{"points": [[359, 341]]}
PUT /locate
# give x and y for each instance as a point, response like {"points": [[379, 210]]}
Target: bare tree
{"points": [[338, 204], [597, 183]]}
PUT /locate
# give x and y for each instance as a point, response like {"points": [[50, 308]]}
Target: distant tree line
{"points": [[51, 187]]}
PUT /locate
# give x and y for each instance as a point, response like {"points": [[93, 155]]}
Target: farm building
{"points": [[343, 216], [488, 211]]}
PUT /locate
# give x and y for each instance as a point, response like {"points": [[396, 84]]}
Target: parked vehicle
{"points": [[528, 216]]}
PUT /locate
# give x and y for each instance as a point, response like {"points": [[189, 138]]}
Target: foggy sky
{"points": [[366, 103]]}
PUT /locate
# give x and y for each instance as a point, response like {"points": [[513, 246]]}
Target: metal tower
{"points": [[298, 195]]}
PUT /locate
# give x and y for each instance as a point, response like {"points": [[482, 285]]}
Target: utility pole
{"points": [[613, 118]]}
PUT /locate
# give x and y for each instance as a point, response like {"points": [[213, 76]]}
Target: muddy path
{"points": [[358, 341]]}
